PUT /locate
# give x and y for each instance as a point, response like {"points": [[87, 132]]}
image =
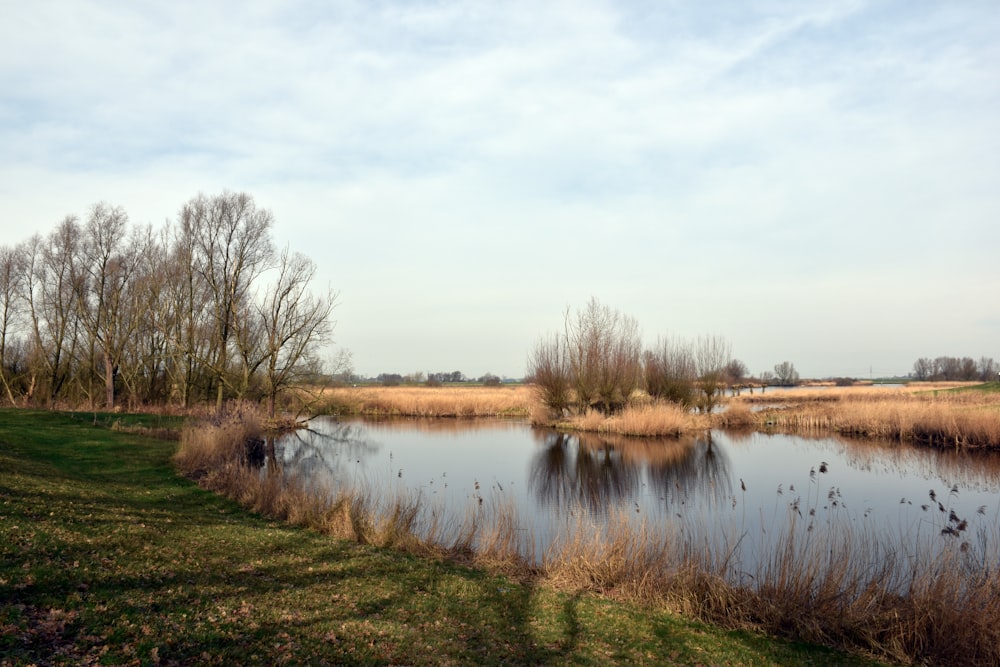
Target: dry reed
{"points": [[476, 401], [943, 419], [645, 419], [839, 585]]}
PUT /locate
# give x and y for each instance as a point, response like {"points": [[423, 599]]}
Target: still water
{"points": [[724, 486]]}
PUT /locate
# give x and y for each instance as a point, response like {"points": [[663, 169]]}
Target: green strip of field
{"points": [[108, 557], [986, 387]]}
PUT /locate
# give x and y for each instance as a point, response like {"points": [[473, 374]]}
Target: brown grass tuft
{"points": [[648, 420]]}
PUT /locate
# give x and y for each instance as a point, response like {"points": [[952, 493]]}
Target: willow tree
{"points": [[548, 368], [230, 247], [670, 371], [110, 259], [280, 333], [711, 354], [604, 349], [11, 275], [50, 274]]}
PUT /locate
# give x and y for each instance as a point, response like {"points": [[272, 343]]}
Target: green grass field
{"points": [[108, 557], [988, 387]]}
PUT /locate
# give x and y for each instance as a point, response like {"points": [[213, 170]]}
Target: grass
{"points": [[108, 557], [986, 387]]}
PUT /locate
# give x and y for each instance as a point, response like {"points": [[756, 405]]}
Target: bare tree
{"points": [[670, 371], [145, 364], [712, 354], [548, 367], [735, 371], [50, 275], [291, 322], [110, 258], [231, 247], [785, 374], [176, 316], [604, 351], [988, 369], [923, 368], [10, 285]]}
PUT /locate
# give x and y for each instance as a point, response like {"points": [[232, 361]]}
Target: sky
{"points": [[814, 182]]}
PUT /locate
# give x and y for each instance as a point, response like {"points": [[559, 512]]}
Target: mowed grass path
{"points": [[108, 557]]}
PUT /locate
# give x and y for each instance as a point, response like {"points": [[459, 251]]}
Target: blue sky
{"points": [[816, 182]]}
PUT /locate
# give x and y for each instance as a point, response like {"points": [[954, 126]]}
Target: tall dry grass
{"points": [[208, 446], [655, 419], [838, 585], [476, 401], [215, 455], [835, 583], [943, 419]]}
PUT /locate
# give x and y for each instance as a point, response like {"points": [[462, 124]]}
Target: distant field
{"points": [[941, 414], [444, 401]]}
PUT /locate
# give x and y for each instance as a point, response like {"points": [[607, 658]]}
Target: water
{"points": [[722, 487]]}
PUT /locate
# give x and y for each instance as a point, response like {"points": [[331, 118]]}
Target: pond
{"points": [[721, 488]]}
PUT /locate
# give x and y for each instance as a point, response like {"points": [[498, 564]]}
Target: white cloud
{"points": [[475, 168]]}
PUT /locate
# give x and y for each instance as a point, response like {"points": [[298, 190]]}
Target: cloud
{"points": [[700, 163]]}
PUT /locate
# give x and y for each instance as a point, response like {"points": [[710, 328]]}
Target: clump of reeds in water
{"points": [[659, 419]]}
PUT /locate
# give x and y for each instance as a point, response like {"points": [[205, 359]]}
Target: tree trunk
{"points": [[109, 381]]}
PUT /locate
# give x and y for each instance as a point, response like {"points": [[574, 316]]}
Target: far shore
{"points": [[941, 414]]}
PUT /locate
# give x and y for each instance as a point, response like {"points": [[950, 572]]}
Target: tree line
{"points": [[433, 379], [101, 311], [598, 360], [956, 369]]}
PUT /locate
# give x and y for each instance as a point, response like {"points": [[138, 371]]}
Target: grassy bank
{"points": [[109, 557]]}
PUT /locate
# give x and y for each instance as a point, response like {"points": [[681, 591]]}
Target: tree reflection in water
{"points": [[596, 473], [322, 458], [556, 482]]}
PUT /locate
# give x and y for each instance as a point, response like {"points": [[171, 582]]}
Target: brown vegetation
{"points": [[474, 401], [920, 414], [647, 420], [914, 414]]}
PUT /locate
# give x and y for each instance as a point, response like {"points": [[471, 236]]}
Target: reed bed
{"points": [[476, 401], [832, 582], [644, 419], [964, 420]]}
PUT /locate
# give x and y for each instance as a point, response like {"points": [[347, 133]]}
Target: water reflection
{"points": [[746, 487], [601, 473], [570, 471], [321, 457], [702, 475]]}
